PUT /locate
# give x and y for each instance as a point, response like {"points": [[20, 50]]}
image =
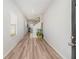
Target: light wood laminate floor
{"points": [[32, 48]]}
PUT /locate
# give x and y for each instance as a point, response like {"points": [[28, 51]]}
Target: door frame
{"points": [[73, 28]]}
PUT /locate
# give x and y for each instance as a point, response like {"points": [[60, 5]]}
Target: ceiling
{"points": [[33, 8]]}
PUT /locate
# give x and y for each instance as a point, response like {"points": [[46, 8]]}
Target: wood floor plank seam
{"points": [[33, 48], [45, 49], [52, 50], [49, 51]]}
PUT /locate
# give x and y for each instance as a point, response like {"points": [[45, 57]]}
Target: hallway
{"points": [[31, 48], [47, 19]]}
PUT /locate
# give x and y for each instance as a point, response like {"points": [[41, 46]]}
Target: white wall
{"points": [[57, 26], [10, 42]]}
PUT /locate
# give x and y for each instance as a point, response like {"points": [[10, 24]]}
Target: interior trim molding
{"points": [[21, 37], [56, 50]]}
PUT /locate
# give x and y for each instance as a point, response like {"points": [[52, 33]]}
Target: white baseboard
{"points": [[13, 47], [56, 50], [4, 55]]}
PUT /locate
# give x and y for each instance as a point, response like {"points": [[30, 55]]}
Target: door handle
{"points": [[71, 44]]}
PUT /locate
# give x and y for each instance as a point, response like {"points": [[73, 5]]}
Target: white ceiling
{"points": [[33, 8]]}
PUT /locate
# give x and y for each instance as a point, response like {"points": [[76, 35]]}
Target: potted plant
{"points": [[40, 34]]}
